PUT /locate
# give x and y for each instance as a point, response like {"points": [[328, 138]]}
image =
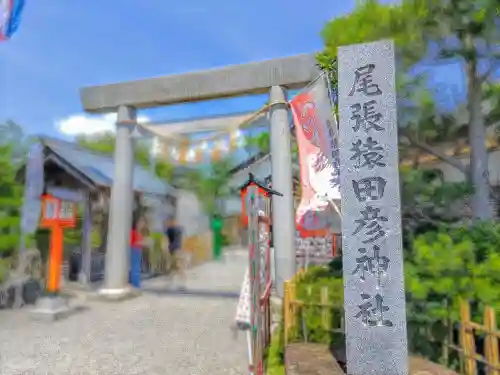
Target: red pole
{"points": [[55, 259]]}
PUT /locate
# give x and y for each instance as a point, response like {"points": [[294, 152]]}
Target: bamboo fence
{"points": [[471, 335]]}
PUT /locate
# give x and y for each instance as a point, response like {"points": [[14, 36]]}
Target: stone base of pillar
{"points": [[117, 295], [83, 279], [52, 308]]}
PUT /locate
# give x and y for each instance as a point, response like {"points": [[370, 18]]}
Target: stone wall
{"points": [[313, 250]]}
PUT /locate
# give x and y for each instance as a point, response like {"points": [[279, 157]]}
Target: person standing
{"points": [[173, 233], [217, 237], [136, 243]]}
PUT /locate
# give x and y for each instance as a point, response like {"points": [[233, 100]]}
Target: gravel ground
{"points": [[160, 332]]}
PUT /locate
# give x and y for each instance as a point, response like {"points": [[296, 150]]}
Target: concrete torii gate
{"points": [[270, 76]]}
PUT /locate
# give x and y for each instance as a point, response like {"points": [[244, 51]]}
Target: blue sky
{"points": [[64, 45]]}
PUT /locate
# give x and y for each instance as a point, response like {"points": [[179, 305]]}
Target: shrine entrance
{"points": [[274, 77], [271, 76]]}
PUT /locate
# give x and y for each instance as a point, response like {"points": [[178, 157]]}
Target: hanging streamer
{"points": [[174, 153], [316, 137], [216, 152], [198, 155], [191, 155], [233, 140], [10, 17], [183, 152], [222, 146]]}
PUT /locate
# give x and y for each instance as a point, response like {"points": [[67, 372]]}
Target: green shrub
{"points": [[310, 319], [454, 263], [4, 269], [444, 266], [275, 354]]}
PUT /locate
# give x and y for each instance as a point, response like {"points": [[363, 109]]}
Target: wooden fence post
{"points": [[325, 308], [293, 304], [467, 341], [286, 311], [491, 342]]}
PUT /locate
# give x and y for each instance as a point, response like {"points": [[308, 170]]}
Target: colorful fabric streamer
{"points": [[10, 17]]}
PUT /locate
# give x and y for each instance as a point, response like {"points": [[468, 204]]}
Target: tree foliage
{"points": [[444, 266], [210, 184], [470, 32], [260, 143], [433, 31], [105, 143], [427, 201], [452, 263], [11, 133], [371, 21], [11, 193]]}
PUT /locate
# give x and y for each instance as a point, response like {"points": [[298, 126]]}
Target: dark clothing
{"points": [[174, 235]]}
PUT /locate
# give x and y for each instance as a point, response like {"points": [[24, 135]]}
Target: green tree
{"points": [[102, 143], [11, 193], [261, 143], [427, 201], [11, 133], [445, 265], [470, 31], [211, 185], [460, 29], [105, 143]]}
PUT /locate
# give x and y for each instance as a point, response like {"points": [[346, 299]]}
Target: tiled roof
{"points": [[260, 166], [99, 168]]}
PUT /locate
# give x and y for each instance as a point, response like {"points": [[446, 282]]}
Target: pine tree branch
{"points": [[438, 154], [494, 66]]}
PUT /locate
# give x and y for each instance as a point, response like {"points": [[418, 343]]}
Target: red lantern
{"points": [[263, 191], [57, 212], [56, 215]]}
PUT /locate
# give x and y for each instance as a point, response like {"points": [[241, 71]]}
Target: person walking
{"points": [[173, 233], [136, 244]]}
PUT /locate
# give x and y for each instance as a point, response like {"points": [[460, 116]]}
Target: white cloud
{"points": [[82, 124]]}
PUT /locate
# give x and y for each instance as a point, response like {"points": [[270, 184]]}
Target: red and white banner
{"points": [[316, 132]]}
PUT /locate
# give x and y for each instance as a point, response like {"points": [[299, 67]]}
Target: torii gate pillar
{"points": [[283, 210], [116, 284]]}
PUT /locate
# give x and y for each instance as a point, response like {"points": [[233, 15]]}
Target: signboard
{"points": [[374, 293], [33, 189]]}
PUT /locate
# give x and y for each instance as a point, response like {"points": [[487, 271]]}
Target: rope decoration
{"points": [[183, 150]]}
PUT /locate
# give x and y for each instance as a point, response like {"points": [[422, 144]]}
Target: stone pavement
{"points": [[161, 332]]}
